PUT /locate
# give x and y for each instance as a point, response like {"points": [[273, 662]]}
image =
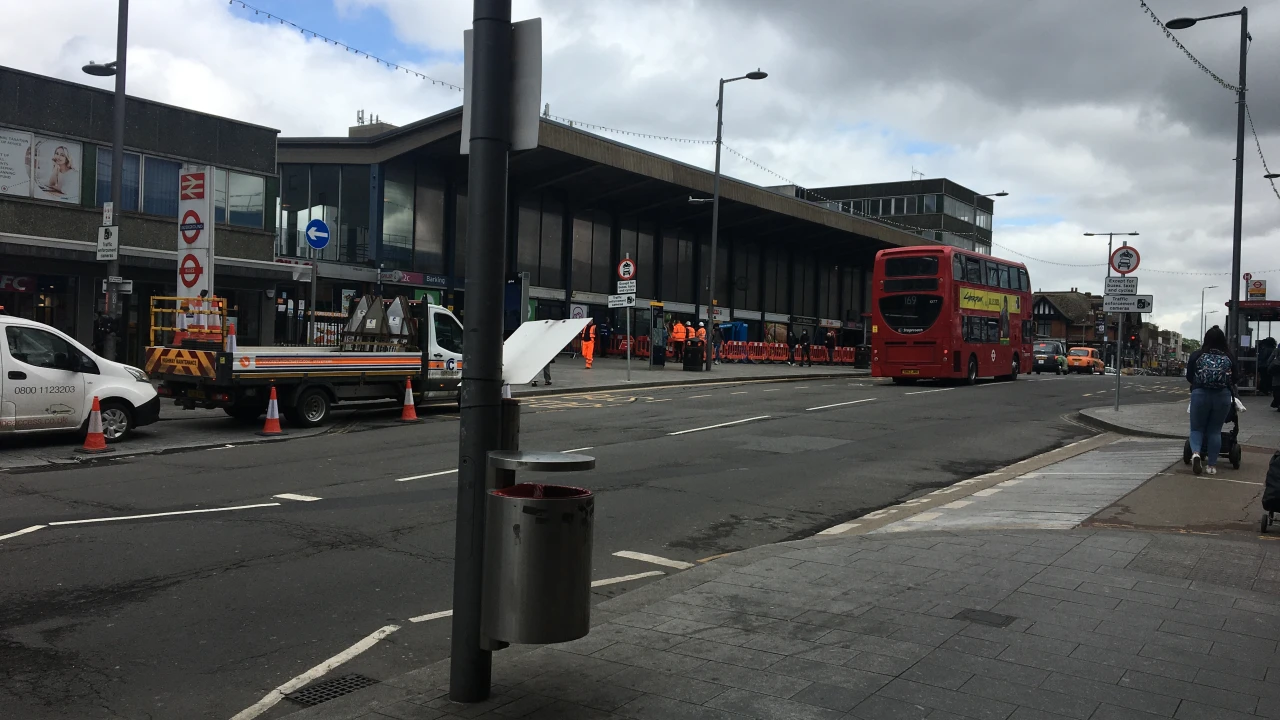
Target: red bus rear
{"points": [[942, 312]]}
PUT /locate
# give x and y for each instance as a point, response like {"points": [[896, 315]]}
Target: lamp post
{"points": [[116, 68], [1204, 323], [1202, 327], [1233, 314], [1002, 193], [756, 74]]}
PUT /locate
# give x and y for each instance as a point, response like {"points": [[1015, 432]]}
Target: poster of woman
{"points": [[1004, 322], [56, 169], [15, 162]]}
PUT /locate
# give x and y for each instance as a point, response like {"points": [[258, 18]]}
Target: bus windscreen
{"points": [[910, 314]]}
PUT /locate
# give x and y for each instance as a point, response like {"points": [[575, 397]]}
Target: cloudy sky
{"points": [[1083, 111]]}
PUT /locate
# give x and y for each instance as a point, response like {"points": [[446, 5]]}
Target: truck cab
{"points": [[48, 382]]}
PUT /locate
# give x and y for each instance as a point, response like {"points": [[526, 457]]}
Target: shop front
{"points": [[50, 299]]}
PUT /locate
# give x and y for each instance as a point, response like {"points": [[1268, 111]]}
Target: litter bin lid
{"points": [[540, 461]]}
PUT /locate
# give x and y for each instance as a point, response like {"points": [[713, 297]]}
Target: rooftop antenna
{"points": [[359, 117], [915, 172], [546, 110]]}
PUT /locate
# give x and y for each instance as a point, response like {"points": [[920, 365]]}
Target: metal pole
{"points": [[715, 217], [112, 309], [1202, 311], [1233, 322], [311, 324], [470, 668], [1119, 361], [630, 340]]}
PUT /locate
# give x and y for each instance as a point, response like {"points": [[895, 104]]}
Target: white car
{"points": [[48, 382], [1109, 371]]}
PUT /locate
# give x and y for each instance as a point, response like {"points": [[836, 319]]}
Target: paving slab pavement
{"points": [[994, 608], [1259, 423]]}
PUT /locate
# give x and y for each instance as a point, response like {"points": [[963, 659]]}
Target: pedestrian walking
{"points": [[717, 339], [678, 336], [831, 346], [588, 342], [805, 348], [793, 347], [1273, 374], [1212, 372]]}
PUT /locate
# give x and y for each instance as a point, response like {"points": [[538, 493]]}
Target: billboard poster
{"points": [[15, 162], [55, 168]]}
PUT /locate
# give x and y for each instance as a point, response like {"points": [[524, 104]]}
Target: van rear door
{"points": [[42, 379]]}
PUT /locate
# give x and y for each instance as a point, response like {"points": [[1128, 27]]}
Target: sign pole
{"points": [[630, 340], [1119, 355]]}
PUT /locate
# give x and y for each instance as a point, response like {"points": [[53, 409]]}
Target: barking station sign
{"points": [[195, 231]]}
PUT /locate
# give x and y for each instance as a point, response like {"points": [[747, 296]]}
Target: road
{"points": [[201, 615]]}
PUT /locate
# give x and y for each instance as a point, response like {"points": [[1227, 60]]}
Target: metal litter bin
{"points": [[695, 355], [537, 565]]}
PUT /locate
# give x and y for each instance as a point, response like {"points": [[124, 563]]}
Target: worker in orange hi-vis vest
{"points": [[588, 343]]}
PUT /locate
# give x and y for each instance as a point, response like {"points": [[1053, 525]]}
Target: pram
{"points": [[1230, 446]]}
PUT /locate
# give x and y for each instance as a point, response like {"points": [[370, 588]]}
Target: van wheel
{"points": [[117, 420], [971, 378], [245, 414]]}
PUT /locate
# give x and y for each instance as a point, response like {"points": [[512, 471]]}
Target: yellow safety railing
{"points": [[175, 319]]}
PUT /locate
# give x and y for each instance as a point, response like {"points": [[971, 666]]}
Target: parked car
{"points": [[1084, 360], [1048, 356], [48, 382], [1109, 371]]}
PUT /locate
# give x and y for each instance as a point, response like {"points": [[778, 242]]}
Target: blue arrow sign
{"points": [[317, 233]]}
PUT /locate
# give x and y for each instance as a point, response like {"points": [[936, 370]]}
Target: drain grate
{"points": [[982, 617], [330, 689]]}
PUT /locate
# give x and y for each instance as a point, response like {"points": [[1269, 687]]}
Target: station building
{"points": [[578, 204]]}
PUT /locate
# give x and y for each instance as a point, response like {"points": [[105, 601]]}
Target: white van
{"points": [[48, 382]]}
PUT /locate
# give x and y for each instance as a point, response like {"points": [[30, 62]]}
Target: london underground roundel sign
{"points": [[191, 226]]}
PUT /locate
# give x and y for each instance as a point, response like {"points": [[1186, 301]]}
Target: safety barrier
{"points": [[618, 344], [642, 346], [756, 352], [779, 352], [734, 351], [818, 353]]}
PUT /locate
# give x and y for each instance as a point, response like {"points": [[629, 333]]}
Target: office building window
{"points": [[351, 223], [551, 272], [601, 268], [648, 270], [160, 186], [219, 195], [911, 205], [983, 219], [930, 203], [428, 225], [528, 237], [245, 199], [899, 206], [131, 177], [397, 216]]}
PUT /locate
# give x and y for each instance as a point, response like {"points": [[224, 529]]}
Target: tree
{"points": [[1189, 345]]}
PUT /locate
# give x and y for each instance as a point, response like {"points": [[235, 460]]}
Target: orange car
{"points": [[1084, 360]]}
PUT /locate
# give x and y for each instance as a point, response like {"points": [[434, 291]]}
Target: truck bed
{"points": [[277, 362]]}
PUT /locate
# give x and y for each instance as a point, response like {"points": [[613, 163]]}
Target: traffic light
{"points": [[1133, 337]]}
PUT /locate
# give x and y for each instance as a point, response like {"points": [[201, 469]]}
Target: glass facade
{"points": [[428, 224], [551, 259], [131, 177], [352, 244], [397, 215]]}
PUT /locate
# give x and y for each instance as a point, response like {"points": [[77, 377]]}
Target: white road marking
{"points": [[801, 387], [299, 498], [163, 514], [564, 452], [740, 392], [851, 402], [921, 392], [1007, 483], [625, 578], [880, 513], [645, 557], [695, 397], [773, 390], [924, 517], [432, 616], [957, 504], [434, 474], [719, 425], [837, 529], [986, 492], [662, 400], [318, 671], [23, 531]]}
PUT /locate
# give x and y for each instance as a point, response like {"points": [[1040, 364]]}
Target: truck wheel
{"points": [[312, 408], [117, 420]]}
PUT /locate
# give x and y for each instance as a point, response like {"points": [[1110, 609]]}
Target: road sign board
{"points": [[622, 301], [125, 287], [1257, 290], [109, 243], [189, 270], [317, 233], [627, 269], [191, 186], [1122, 285], [1125, 259], [1128, 303], [190, 226], [626, 286], [108, 213], [1248, 277]]}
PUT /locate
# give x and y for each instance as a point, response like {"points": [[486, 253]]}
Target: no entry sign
{"points": [[190, 270]]}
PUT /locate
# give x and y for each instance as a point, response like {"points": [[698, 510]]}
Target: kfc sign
{"points": [[17, 283]]}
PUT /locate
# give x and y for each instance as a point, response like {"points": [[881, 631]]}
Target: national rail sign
{"points": [[195, 241]]}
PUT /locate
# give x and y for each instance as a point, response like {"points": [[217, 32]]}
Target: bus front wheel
{"points": [[971, 377]]}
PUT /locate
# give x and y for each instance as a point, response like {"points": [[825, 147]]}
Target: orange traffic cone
{"points": [[409, 414], [94, 440], [272, 427], [231, 337]]}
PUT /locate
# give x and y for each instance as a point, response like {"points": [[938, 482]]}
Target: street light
{"points": [[975, 211], [1233, 316], [1271, 176], [756, 74], [1202, 328], [115, 68], [1110, 237]]}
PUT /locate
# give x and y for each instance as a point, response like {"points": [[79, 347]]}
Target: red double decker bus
{"points": [[942, 312]]}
